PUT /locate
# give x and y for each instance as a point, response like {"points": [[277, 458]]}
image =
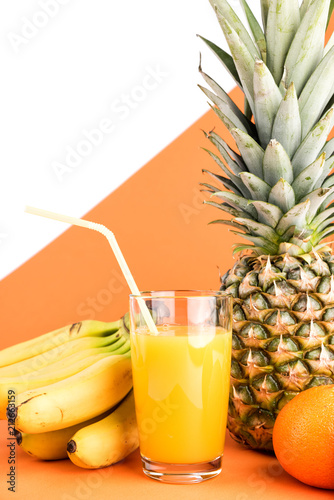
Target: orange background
{"points": [[161, 225]]}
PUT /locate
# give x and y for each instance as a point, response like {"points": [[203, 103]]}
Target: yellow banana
{"points": [[57, 358], [52, 445], [74, 399], [43, 343], [53, 355], [44, 377], [107, 441]]}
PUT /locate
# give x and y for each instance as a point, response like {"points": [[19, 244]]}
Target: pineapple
{"points": [[279, 192]]}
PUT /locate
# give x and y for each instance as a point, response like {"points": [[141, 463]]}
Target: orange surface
{"points": [[77, 277]]}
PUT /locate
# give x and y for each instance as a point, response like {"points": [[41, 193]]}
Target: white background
{"points": [[70, 66]]}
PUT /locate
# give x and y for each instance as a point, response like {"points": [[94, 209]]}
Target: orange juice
{"points": [[181, 387]]}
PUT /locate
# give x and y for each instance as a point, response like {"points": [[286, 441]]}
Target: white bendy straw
{"points": [[115, 247]]}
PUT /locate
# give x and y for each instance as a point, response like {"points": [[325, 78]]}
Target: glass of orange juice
{"points": [[181, 382]]}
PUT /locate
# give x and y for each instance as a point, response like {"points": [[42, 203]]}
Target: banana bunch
{"points": [[73, 393]]}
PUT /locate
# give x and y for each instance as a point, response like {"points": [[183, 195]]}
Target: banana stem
{"points": [[126, 322], [71, 446], [18, 437]]}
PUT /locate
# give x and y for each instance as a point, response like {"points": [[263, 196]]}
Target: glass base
{"points": [[182, 473]]}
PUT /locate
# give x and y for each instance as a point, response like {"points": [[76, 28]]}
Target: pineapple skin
{"points": [[283, 337]]}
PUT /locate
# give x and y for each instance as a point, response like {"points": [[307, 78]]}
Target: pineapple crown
{"points": [[279, 189]]}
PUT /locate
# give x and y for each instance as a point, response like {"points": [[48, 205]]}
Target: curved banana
{"points": [[52, 445], [53, 355], [107, 441], [40, 378], [74, 399], [43, 343]]}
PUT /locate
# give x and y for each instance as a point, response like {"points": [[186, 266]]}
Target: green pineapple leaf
{"points": [[329, 199], [228, 209], [328, 148], [231, 175], [307, 47], [256, 250], [282, 24], [282, 195], [303, 8], [258, 241], [224, 108], [209, 188], [267, 213], [226, 99], [256, 30], [295, 217], [227, 183], [304, 243], [224, 58], [227, 222], [327, 168], [224, 118], [330, 12], [276, 164], [258, 229], [290, 249], [258, 189], [325, 224], [330, 104], [264, 13], [229, 109], [317, 198], [247, 111], [325, 216], [313, 143], [329, 231], [329, 182], [244, 60], [317, 93], [237, 202], [235, 180], [286, 237], [223, 144], [236, 169], [306, 180], [287, 128], [267, 99], [223, 10], [250, 150]]}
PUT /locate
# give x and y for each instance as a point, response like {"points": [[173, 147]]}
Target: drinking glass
{"points": [[181, 382]]}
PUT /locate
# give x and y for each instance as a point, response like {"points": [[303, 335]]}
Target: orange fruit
{"points": [[303, 437]]}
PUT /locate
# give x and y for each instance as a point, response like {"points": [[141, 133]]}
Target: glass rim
{"points": [[181, 294]]}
